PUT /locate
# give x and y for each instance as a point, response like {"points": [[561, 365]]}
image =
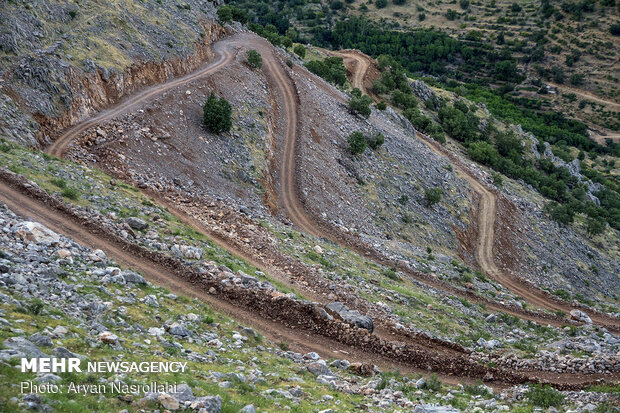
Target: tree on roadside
{"points": [[254, 59], [357, 143], [217, 114]]}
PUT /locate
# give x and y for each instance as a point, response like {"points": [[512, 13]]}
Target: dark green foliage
{"points": [[399, 2], [451, 14], [357, 143], [381, 4], [254, 59], [376, 141], [360, 104], [331, 69], [432, 383], [229, 13], [432, 196], [217, 114], [71, 193], [461, 126], [300, 51], [563, 214], [381, 105], [404, 100], [615, 29], [544, 396], [484, 153]]}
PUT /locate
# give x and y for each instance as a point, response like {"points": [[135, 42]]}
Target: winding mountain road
{"points": [[485, 243], [22, 203]]}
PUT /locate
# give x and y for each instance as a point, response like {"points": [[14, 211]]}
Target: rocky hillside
{"points": [[60, 60], [397, 234]]}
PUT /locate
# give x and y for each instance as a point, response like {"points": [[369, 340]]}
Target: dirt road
{"points": [[587, 95], [487, 209], [161, 274]]}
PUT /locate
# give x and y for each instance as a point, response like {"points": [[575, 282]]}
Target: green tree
{"points": [[300, 51], [254, 59], [225, 14], [217, 114], [381, 4], [360, 104], [432, 196], [376, 141], [595, 226], [484, 153], [357, 143]]}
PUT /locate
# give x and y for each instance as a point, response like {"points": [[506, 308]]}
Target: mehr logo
{"points": [[51, 365]]}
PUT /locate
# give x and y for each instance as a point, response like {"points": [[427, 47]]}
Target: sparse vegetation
{"points": [[217, 114]]}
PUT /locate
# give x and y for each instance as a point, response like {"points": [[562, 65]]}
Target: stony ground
{"points": [[108, 313]]}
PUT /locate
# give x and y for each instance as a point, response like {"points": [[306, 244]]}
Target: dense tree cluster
{"points": [[331, 69]]}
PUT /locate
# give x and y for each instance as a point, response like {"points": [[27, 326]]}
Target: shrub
{"points": [[357, 143], [224, 14], [217, 114], [71, 193], [432, 196], [300, 51], [432, 383], [331, 69], [615, 29], [381, 105], [381, 4], [376, 141], [360, 104], [254, 59], [544, 396]]}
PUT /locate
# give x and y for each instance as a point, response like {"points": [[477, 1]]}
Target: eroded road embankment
{"points": [[485, 243]]}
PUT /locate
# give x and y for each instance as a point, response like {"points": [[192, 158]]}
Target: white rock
{"points": [[36, 233]]}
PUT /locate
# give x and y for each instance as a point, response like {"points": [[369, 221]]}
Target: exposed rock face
{"points": [[137, 223], [352, 317], [59, 90]]}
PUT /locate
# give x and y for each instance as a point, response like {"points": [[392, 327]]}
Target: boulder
{"points": [[36, 233], [580, 316], [137, 223], [351, 317], [133, 277], [23, 346]]}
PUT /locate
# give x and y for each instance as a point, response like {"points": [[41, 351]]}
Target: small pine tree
{"points": [[254, 59], [217, 114], [357, 143], [360, 104]]}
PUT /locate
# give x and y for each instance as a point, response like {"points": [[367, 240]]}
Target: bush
{"points": [[432, 383], [484, 153], [615, 29], [300, 51], [563, 214], [432, 196], [217, 114], [381, 4], [544, 396], [376, 141], [71, 193], [360, 104], [254, 59], [357, 143], [224, 14], [331, 69], [381, 105]]}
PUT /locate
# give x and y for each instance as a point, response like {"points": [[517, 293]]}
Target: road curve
{"points": [[58, 147], [486, 217]]}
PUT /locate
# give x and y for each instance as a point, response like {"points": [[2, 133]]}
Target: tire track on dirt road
{"points": [[486, 217]]}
